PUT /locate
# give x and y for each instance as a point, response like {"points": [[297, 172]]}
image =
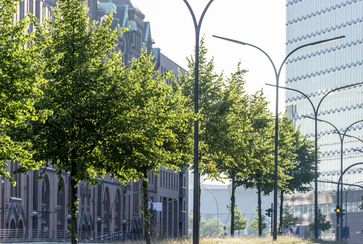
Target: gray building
{"points": [[315, 70], [37, 209]]}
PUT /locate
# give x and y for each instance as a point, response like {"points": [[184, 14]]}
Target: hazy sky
{"points": [[260, 22]]}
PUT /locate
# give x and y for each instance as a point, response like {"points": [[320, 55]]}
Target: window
{"points": [[21, 10]]}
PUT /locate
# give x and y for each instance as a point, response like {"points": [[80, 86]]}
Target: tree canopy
{"points": [[21, 80]]}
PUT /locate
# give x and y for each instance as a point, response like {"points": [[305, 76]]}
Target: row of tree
{"points": [[67, 100], [237, 138]]}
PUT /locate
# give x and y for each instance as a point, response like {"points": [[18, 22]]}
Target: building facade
{"points": [[37, 207], [315, 70]]}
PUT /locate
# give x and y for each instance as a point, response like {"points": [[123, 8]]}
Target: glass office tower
{"points": [[318, 69], [315, 70]]}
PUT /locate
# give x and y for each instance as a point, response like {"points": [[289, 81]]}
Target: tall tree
{"points": [[302, 172], [151, 128], [261, 165], [20, 82], [82, 70], [231, 133], [210, 95]]}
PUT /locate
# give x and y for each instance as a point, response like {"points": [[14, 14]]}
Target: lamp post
{"points": [[341, 135], [196, 184], [316, 113], [277, 72], [341, 177], [346, 200]]}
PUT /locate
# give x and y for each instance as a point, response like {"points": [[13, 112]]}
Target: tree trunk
{"points": [[233, 203], [259, 210], [281, 228], [74, 210], [146, 210]]}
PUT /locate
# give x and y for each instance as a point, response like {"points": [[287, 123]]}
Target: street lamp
{"points": [[341, 139], [346, 199], [196, 184], [277, 71], [316, 113]]}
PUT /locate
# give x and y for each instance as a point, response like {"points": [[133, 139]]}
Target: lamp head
{"points": [[327, 40]]}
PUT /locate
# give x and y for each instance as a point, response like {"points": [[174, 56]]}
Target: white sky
{"points": [[261, 22]]}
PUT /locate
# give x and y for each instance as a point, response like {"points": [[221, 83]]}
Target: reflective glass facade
{"points": [[317, 69]]}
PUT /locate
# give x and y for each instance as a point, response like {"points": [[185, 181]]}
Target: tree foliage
{"points": [[210, 227], [151, 127], [20, 82], [240, 221], [82, 71], [288, 218], [255, 222], [323, 224], [210, 95]]}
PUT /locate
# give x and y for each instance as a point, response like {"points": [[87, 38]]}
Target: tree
{"points": [[229, 142], [259, 223], [210, 95], [288, 218], [240, 221], [210, 227], [261, 165], [303, 171], [83, 68], [151, 128], [323, 224], [20, 87]]}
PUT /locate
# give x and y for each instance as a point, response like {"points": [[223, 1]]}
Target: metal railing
{"points": [[26, 234]]}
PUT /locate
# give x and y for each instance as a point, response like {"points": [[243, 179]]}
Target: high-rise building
{"points": [[37, 209], [316, 70]]}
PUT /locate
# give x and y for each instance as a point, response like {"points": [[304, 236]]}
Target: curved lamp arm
{"points": [[327, 122], [357, 138], [350, 126], [336, 89], [295, 90], [251, 45], [341, 176]]}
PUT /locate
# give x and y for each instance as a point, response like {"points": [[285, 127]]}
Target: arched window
{"points": [[45, 206], [61, 209], [20, 231]]}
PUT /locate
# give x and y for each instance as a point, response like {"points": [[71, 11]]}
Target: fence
{"points": [[61, 235]]}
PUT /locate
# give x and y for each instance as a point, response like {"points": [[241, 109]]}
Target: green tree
{"points": [[240, 221], [82, 70], [302, 173], [151, 128], [261, 166], [323, 224], [229, 144], [258, 223], [210, 96], [210, 227], [288, 218], [20, 82]]}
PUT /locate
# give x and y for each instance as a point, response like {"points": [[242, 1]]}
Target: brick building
{"points": [[36, 208]]}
